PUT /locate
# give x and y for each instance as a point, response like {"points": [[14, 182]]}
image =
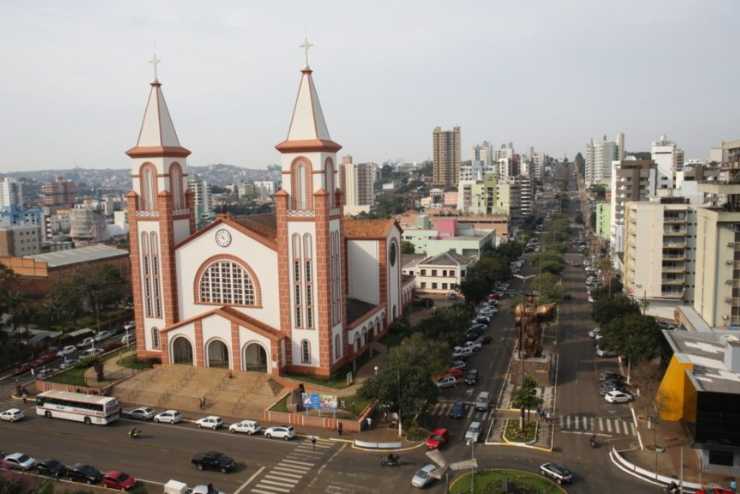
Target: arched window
{"points": [[329, 180], [146, 274], [156, 298], [148, 186], [225, 281], [155, 338], [301, 184], [308, 277], [297, 269], [178, 198], [305, 352]]}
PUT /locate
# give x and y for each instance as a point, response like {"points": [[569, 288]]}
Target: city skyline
{"points": [[390, 79]]}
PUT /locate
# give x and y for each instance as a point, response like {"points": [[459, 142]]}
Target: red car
{"points": [[438, 438], [118, 480], [455, 372], [715, 490]]}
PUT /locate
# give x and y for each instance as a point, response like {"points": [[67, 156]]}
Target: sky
{"points": [[548, 74]]}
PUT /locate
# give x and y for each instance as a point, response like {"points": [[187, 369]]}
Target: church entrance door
{"points": [[255, 358], [218, 355], [182, 351]]}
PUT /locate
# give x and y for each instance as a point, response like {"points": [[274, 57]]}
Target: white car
{"points": [[617, 397], [594, 332], [476, 346], [604, 353], [20, 461], [246, 427], [89, 341], [424, 476], [280, 432], [461, 352], [168, 417], [211, 422], [141, 413], [104, 335], [12, 415], [67, 350], [446, 382], [204, 489], [91, 352], [473, 432]]}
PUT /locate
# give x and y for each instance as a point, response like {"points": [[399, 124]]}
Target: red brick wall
{"points": [[323, 239]]}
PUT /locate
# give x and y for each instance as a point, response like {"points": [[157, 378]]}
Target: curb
{"points": [[519, 443], [457, 479], [619, 462], [378, 450]]}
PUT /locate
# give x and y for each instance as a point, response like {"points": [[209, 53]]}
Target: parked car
{"points": [[52, 468], [437, 438], [471, 377], [455, 372], [609, 375], [211, 422], [66, 351], [458, 410], [12, 415], [473, 345], [213, 460], [424, 476], [66, 363], [168, 417], [483, 320], [594, 332], [246, 427], [20, 461], [286, 432], [80, 472], [446, 382], [104, 335], [484, 340], [604, 353], [458, 364], [557, 472], [617, 397], [608, 386], [473, 433], [118, 480], [89, 341], [461, 352], [91, 352], [481, 401], [141, 413]]}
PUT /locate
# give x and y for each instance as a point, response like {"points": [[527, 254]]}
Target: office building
{"points": [[659, 246], [631, 180], [526, 195], [59, 194], [668, 159], [508, 199], [20, 240], [483, 152], [86, 226], [447, 157], [599, 157], [357, 181], [440, 274], [11, 194], [504, 151]]}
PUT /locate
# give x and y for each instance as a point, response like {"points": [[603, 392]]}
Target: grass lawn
{"points": [[282, 405], [515, 434], [74, 376], [131, 361], [503, 481], [353, 406]]}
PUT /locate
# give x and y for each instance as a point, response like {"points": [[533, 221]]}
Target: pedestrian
{"points": [[313, 442], [369, 423], [733, 485], [339, 428], [33, 372]]}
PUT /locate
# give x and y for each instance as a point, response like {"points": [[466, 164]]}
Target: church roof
{"points": [[368, 229], [233, 315], [264, 224], [157, 136], [308, 130], [260, 227]]}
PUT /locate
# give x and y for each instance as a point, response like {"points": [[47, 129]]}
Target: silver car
{"points": [[424, 476]]}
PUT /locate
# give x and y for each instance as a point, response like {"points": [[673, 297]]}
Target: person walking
{"points": [[339, 428]]}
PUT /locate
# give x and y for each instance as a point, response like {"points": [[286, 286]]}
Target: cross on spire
{"points": [[307, 45], [155, 61]]}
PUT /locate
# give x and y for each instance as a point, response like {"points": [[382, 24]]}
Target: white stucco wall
{"points": [[260, 258], [216, 327], [246, 337], [394, 275], [364, 276]]}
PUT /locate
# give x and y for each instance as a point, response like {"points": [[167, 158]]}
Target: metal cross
{"points": [[307, 45], [155, 61]]}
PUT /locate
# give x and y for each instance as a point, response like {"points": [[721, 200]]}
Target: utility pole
{"points": [[400, 422]]}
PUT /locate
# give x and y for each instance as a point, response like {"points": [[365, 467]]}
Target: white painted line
{"points": [[601, 424], [637, 429], [258, 491], [470, 412], [567, 422], [285, 471], [299, 463], [153, 481], [562, 422], [262, 485], [591, 423], [249, 480], [269, 478], [608, 425]]}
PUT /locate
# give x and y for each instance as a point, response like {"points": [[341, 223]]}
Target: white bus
{"points": [[90, 409]]}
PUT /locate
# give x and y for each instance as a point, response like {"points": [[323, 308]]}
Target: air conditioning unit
{"points": [[729, 262]]}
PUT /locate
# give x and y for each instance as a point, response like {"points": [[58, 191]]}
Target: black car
{"points": [[213, 460], [611, 376], [484, 339], [471, 377], [85, 473], [605, 387], [52, 468]]}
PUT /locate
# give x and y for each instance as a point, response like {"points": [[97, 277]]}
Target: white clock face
{"points": [[223, 238]]}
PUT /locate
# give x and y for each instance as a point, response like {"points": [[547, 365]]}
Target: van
{"points": [[481, 401]]}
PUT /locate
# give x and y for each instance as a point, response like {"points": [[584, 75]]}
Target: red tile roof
{"points": [[371, 229]]}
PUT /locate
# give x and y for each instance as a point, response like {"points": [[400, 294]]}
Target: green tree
{"points": [[446, 325], [476, 286], [606, 309], [635, 336], [407, 247], [548, 287], [525, 399], [404, 381]]}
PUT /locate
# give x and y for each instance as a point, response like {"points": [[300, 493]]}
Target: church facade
{"points": [[302, 290]]}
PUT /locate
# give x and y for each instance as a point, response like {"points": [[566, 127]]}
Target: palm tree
{"points": [[525, 398]]}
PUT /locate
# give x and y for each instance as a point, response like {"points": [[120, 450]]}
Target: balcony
{"points": [[674, 269], [673, 257], [674, 220], [674, 244], [672, 293], [678, 280], [675, 232]]}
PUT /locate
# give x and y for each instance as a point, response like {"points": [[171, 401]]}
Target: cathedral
{"points": [[301, 290]]}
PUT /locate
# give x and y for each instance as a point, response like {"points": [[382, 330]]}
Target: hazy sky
{"points": [[551, 74]]}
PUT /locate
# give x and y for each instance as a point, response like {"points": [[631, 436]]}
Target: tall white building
{"points": [[631, 180], [483, 152], [357, 181], [202, 203], [11, 193], [475, 170], [505, 151], [669, 159], [599, 157]]}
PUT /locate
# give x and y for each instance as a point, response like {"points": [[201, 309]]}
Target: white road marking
{"points": [[249, 480], [470, 412], [289, 473], [299, 463], [562, 422], [608, 425], [601, 424], [272, 488], [632, 429], [153, 481], [567, 422], [259, 491], [278, 481]]}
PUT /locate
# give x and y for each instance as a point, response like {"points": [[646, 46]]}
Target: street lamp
{"points": [[376, 368]]}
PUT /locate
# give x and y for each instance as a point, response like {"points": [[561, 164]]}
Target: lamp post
{"points": [[400, 426]]}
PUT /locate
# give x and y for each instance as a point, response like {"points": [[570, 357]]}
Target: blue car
{"points": [[458, 410]]}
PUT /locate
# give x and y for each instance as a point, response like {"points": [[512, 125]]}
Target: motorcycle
{"points": [[391, 461], [134, 434], [594, 444]]}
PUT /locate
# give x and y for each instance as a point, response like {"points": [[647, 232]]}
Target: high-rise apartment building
{"points": [[20, 240], [526, 195], [659, 246], [599, 157], [508, 199], [357, 181], [505, 151], [669, 159], [202, 203], [717, 293], [59, 194], [11, 193], [631, 180], [483, 152], [447, 157]]}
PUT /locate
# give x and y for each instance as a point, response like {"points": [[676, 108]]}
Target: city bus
{"points": [[89, 409]]}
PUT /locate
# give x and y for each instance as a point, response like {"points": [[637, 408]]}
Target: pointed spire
{"points": [[157, 136], [308, 130]]}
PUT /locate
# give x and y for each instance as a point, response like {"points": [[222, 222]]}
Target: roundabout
{"points": [[510, 481]]}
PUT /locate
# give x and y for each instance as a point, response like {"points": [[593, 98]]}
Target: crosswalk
{"points": [[602, 425], [443, 409], [286, 474]]}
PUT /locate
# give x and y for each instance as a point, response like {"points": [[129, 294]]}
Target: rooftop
{"points": [[378, 228], [706, 352], [263, 224], [69, 257], [356, 309]]}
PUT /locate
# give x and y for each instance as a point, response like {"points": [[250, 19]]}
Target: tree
{"points": [[635, 336], [605, 309], [407, 247], [548, 287], [475, 287], [447, 325], [525, 398], [404, 381]]}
